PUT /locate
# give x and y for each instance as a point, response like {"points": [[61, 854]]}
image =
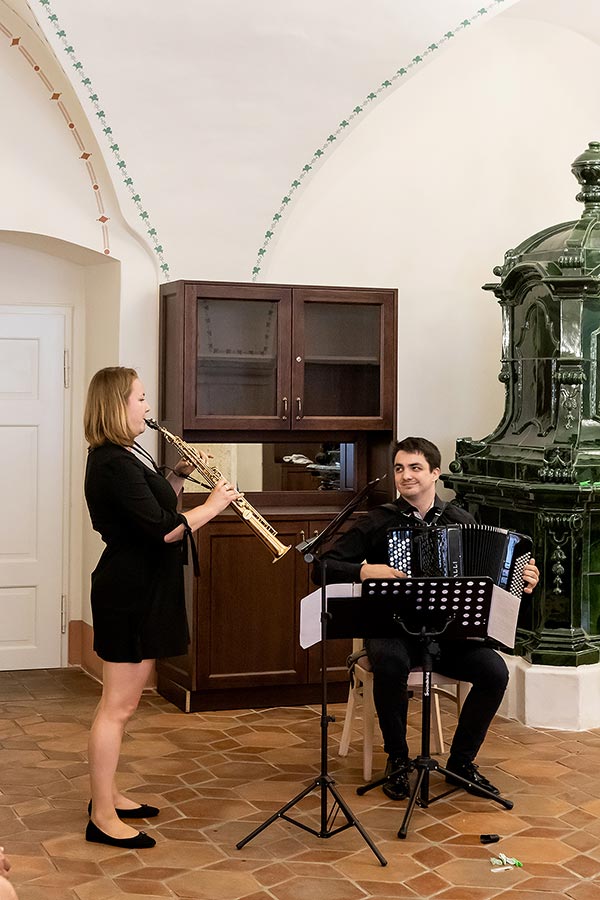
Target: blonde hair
{"points": [[105, 416]]}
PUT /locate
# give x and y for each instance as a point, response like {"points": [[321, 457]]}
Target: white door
{"points": [[32, 409]]}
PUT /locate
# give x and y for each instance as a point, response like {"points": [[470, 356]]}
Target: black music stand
{"points": [[324, 782], [427, 608]]}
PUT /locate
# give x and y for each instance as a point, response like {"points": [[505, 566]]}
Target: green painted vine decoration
{"points": [[114, 147], [370, 98]]}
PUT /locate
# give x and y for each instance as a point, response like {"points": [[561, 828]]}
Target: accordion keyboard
{"points": [[455, 550]]}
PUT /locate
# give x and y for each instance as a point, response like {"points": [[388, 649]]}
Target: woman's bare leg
{"points": [[120, 800], [7, 891], [123, 684]]}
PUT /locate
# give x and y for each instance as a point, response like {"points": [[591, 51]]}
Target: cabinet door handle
{"points": [[285, 408], [302, 534], [299, 405]]}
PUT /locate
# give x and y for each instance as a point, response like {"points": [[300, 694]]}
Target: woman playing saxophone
{"points": [[137, 592]]}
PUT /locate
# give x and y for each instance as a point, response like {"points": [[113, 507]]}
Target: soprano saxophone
{"points": [[253, 519]]}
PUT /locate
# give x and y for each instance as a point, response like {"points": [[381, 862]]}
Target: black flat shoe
{"points": [[138, 812], [140, 841]]}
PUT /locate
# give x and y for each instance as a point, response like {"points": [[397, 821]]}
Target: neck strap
{"points": [[137, 448]]}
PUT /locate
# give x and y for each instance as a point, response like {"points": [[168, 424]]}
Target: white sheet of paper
{"points": [[502, 624], [310, 611], [504, 611]]}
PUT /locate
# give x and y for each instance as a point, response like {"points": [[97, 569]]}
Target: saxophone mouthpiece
{"points": [[151, 423]]}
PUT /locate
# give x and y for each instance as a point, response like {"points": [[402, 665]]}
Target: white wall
{"points": [[55, 250], [57, 184], [33, 277], [428, 192]]}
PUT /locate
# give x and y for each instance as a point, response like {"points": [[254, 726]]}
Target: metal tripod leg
{"points": [[420, 792], [412, 801], [377, 782], [325, 784]]}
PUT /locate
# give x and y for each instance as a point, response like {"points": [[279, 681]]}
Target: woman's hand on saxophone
{"points": [[222, 495], [177, 475], [183, 468], [219, 499]]}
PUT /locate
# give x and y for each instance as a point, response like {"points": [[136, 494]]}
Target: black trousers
{"points": [[392, 659]]}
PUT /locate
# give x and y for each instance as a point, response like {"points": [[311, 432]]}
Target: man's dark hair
{"points": [[419, 445]]}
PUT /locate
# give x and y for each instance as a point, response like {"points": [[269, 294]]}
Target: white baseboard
{"points": [[559, 697]]}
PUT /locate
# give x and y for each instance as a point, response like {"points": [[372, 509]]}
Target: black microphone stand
{"points": [[324, 782]]}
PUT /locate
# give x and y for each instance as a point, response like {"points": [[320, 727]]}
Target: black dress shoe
{"points": [[397, 786], [472, 774], [140, 841], [138, 812]]}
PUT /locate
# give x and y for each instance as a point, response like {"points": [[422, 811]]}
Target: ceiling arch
{"points": [[211, 117], [207, 110]]}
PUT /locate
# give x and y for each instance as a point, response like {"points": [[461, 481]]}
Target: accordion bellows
{"points": [[455, 550]]}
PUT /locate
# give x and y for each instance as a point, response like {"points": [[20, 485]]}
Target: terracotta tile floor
{"points": [[218, 775]]}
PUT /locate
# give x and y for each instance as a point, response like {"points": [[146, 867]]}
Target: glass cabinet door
{"points": [[342, 353], [237, 347]]}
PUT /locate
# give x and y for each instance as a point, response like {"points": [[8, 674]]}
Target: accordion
{"points": [[455, 550]]}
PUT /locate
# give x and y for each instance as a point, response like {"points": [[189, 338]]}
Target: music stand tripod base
{"points": [[420, 792], [324, 783]]}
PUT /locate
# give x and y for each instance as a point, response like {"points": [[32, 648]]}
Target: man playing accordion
{"points": [[361, 553]]}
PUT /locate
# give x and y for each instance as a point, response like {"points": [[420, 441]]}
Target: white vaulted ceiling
{"points": [[216, 108], [213, 116]]}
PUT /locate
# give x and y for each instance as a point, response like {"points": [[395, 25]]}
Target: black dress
{"points": [[138, 603]]}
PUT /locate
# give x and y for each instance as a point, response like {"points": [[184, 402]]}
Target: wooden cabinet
{"points": [[288, 370], [277, 357], [245, 616]]}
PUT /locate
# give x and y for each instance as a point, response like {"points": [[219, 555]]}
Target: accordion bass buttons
{"points": [[455, 550]]}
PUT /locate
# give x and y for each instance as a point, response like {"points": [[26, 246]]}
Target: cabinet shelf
{"points": [[233, 359], [341, 360]]}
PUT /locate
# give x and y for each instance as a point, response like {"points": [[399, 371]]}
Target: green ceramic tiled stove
{"points": [[539, 471]]}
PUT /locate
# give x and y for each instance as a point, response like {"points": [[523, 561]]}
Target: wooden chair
{"points": [[361, 693]]}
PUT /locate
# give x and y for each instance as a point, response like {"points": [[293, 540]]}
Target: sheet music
{"points": [[310, 611], [502, 623]]}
